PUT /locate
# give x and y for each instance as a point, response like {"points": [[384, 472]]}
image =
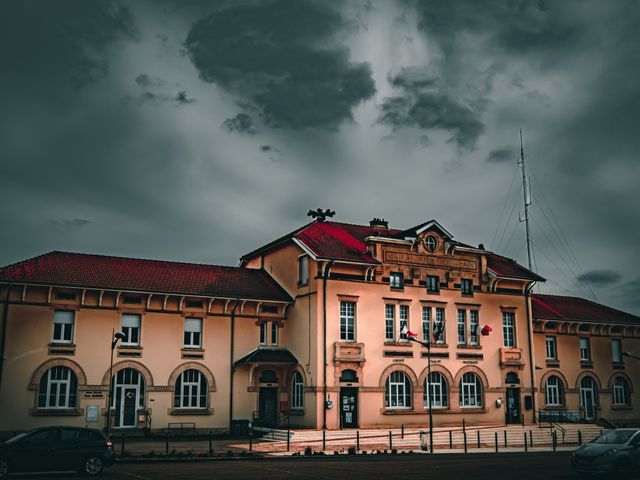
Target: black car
{"points": [[85, 450]]}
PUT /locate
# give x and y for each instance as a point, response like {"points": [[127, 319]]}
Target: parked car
{"points": [[85, 450], [614, 452]]}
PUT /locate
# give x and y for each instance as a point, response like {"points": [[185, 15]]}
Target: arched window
{"points": [[191, 390], [621, 391], [470, 391], [554, 393], [58, 389], [349, 376], [436, 391], [297, 391], [398, 391]]}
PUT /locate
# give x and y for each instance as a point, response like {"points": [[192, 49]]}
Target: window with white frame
{"points": [[552, 353], [426, 324], [585, 351], [554, 393], [474, 325], [621, 391], [436, 391], [470, 391], [193, 332], [191, 390], [396, 280], [263, 333], [303, 270], [509, 329], [389, 320], [347, 321], [404, 320], [462, 326], [616, 350], [439, 333], [274, 333], [398, 390], [63, 321], [58, 388], [131, 329], [297, 391]]}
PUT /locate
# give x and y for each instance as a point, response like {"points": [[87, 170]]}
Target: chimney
{"points": [[379, 223], [481, 246]]}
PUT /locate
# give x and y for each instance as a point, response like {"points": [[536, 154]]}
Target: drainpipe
{"points": [[232, 366], [5, 321], [324, 342], [532, 367]]}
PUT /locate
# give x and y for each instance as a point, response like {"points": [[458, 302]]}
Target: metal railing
{"points": [[557, 416]]}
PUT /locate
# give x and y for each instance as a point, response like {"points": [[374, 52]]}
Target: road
{"points": [[521, 466]]}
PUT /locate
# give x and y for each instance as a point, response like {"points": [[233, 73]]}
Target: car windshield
{"points": [[615, 436]]}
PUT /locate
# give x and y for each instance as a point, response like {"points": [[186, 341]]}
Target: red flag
{"points": [[408, 333], [486, 330]]}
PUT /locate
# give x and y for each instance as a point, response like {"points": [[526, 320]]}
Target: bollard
{"points": [[553, 440], [357, 440], [166, 444], [478, 435], [122, 445], [450, 439], [464, 426], [390, 441], [579, 437], [505, 439], [496, 438], [251, 439], [402, 431], [210, 443], [530, 438], [525, 441], [324, 440], [464, 440]]}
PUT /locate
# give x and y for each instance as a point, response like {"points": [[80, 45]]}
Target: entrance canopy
{"points": [[268, 356]]}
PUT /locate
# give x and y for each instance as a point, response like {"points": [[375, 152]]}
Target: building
{"points": [[307, 329]]}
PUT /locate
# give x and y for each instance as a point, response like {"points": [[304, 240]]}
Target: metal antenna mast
{"points": [[527, 201]]}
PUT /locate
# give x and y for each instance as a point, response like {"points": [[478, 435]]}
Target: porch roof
{"points": [[269, 355]]}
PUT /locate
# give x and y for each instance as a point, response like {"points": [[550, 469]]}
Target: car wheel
{"points": [[92, 465], [4, 468]]}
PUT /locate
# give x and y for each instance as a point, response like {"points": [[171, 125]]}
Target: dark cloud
{"points": [[241, 123], [69, 225], [426, 105], [501, 155], [600, 278], [183, 98], [279, 56], [146, 81]]}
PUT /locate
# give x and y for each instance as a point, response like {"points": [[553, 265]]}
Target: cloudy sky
{"points": [[200, 130]]}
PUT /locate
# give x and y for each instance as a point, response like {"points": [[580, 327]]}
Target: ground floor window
{"points": [[58, 389], [621, 391], [297, 391], [470, 391], [191, 390], [436, 391], [398, 391], [554, 395]]}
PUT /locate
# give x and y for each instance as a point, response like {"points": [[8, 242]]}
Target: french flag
{"points": [[408, 333]]}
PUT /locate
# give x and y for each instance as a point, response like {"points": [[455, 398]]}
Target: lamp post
{"points": [[630, 355], [114, 341]]}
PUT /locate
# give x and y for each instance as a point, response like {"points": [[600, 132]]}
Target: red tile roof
{"points": [[557, 307], [506, 267], [133, 274]]}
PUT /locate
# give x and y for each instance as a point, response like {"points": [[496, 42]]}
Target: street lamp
{"points": [[630, 355], [115, 336]]}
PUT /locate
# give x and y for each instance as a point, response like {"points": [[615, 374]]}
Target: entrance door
{"points": [[268, 406], [128, 396], [588, 397], [513, 414], [349, 407]]}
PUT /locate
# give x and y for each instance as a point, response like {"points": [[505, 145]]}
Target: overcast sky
{"points": [[200, 130]]}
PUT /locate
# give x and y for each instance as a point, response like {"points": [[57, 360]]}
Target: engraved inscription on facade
{"points": [[429, 260]]}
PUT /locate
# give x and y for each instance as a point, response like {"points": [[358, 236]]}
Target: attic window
{"points": [[132, 299], [193, 303], [270, 309], [65, 295], [431, 242]]}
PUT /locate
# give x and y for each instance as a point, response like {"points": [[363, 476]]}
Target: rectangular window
{"points": [[474, 326], [426, 324], [193, 332], [131, 329], [585, 354], [616, 351], [274, 333], [508, 329], [396, 280], [466, 286], [389, 320], [303, 270], [404, 320], [439, 333], [63, 326], [347, 321], [433, 283], [462, 326], [552, 354], [263, 333]]}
